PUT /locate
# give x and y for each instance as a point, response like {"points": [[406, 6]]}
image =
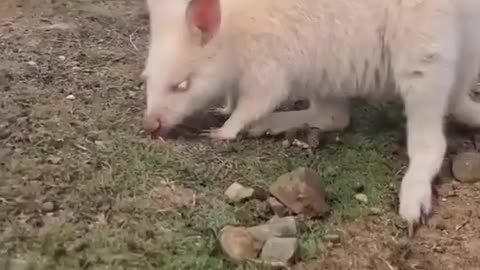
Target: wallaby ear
{"points": [[205, 15]]}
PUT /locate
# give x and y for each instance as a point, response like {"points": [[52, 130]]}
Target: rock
{"points": [[277, 207], [451, 193], [361, 198], [286, 144], [303, 191], [375, 211], [300, 144], [238, 193], [280, 227], [238, 244], [466, 167], [283, 250], [70, 97], [274, 219], [332, 238], [438, 249], [48, 206]]}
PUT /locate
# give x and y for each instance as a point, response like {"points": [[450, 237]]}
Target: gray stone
{"points": [[280, 227], [466, 167], [283, 250]]}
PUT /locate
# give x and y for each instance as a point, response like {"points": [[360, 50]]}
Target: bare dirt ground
{"points": [[82, 188]]}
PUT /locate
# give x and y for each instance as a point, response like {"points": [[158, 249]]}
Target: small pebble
{"points": [[439, 249], [361, 198], [451, 193], [300, 144], [333, 238], [376, 211], [286, 144], [48, 206], [446, 215], [54, 159], [61, 58], [70, 97]]}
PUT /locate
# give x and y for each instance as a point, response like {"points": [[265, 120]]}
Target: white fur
{"points": [[425, 51]]}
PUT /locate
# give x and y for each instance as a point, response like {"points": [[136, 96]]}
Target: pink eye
{"points": [[182, 86]]}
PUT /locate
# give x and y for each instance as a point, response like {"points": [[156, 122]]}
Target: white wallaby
{"points": [[427, 52]]}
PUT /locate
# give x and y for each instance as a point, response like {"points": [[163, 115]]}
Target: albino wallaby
{"points": [[427, 52]]}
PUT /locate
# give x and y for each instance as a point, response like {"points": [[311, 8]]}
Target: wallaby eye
{"points": [[182, 86]]}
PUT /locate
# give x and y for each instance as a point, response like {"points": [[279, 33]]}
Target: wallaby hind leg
{"points": [[325, 114]]}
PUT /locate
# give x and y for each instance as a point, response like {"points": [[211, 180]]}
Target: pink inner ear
{"points": [[205, 15]]}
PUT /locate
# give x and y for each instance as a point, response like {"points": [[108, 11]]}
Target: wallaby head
{"points": [[180, 53]]}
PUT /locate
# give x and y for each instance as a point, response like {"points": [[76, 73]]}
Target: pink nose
{"points": [[151, 125]]}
